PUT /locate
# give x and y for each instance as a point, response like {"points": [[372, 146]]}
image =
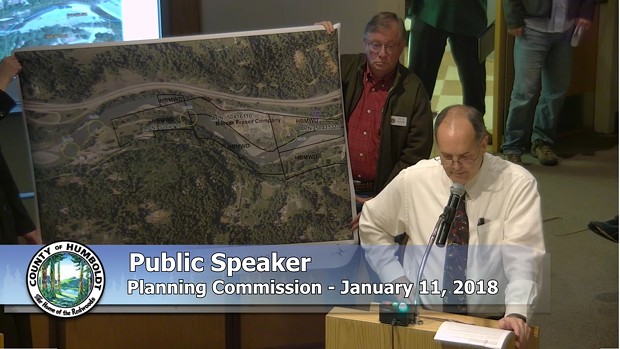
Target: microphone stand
{"points": [[431, 241]]}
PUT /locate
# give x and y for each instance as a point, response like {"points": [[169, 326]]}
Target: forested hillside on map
{"points": [[255, 66], [196, 140]]}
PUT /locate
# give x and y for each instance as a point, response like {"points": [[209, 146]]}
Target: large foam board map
{"points": [[223, 139]]}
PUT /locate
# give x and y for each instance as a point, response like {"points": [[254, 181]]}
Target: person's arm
{"points": [[380, 221], [6, 104], [329, 26], [523, 249], [420, 135], [23, 223], [586, 14], [514, 16], [518, 326], [33, 237], [586, 10], [583, 23], [9, 68]]}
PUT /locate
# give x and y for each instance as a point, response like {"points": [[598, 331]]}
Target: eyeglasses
{"points": [[463, 160], [375, 47]]}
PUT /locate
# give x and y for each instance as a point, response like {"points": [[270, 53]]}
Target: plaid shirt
{"points": [[364, 127]]}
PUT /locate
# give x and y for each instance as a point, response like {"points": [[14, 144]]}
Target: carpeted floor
{"points": [[579, 308]]}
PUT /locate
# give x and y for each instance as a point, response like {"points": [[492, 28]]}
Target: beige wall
{"points": [[606, 94], [242, 15]]}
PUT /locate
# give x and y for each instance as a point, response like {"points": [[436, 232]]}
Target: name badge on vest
{"points": [[398, 121]]}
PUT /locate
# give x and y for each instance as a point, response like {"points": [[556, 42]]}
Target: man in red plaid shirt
{"points": [[387, 110]]}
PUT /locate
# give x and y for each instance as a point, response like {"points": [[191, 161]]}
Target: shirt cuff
{"points": [[517, 316]]}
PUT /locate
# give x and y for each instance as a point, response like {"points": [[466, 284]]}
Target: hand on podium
{"points": [[518, 326]]}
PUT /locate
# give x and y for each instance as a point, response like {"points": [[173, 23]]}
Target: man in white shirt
{"points": [[502, 203]]}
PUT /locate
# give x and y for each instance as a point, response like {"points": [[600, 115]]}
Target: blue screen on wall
{"points": [[28, 23]]}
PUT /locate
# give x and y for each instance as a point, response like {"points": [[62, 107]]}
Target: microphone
{"points": [[456, 191], [442, 228]]}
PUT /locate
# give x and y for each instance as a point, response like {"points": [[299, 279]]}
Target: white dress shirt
{"points": [[508, 247]]}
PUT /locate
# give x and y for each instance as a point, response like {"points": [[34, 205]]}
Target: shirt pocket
{"points": [[485, 256], [490, 233]]}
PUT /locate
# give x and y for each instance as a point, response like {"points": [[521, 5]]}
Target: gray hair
{"points": [[385, 20], [473, 115]]}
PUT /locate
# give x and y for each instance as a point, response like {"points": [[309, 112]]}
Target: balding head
{"points": [[472, 115], [461, 139]]}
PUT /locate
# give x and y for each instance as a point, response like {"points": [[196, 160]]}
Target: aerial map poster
{"points": [[219, 139]]}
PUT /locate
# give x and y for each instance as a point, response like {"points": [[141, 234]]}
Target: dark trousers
{"points": [[16, 329], [427, 46]]}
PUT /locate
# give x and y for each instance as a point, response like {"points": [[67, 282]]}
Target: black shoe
{"points": [[607, 229], [613, 221]]}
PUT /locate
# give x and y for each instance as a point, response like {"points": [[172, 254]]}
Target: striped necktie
{"points": [[455, 266]]}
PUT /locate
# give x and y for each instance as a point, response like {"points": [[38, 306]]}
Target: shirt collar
{"points": [[388, 81]]}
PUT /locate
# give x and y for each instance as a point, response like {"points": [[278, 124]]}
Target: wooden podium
{"points": [[358, 329]]}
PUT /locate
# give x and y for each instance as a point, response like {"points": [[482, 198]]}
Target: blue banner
{"points": [[189, 274], [68, 279]]}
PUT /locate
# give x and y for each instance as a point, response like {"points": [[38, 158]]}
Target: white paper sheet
{"points": [[476, 336]]}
